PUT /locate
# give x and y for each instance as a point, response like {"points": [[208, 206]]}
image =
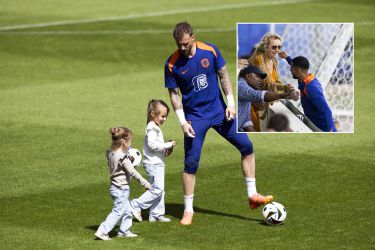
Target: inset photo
{"points": [[295, 77]]}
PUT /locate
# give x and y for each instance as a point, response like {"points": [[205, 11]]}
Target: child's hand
{"points": [[170, 150], [147, 186]]}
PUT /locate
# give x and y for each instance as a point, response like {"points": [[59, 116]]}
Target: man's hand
{"points": [[242, 63], [295, 95], [188, 130], [290, 87], [283, 54], [230, 113], [292, 95], [223, 75], [291, 92]]}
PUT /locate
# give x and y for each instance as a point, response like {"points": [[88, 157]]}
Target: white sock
{"points": [[251, 186], [188, 201]]}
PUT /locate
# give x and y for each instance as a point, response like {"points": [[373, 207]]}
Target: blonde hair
{"points": [[265, 41], [118, 135], [257, 59], [153, 107]]}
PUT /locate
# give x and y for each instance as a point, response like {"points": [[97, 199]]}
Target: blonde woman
{"points": [[264, 57]]}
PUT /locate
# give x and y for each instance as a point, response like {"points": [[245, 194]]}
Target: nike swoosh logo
{"points": [[183, 72]]}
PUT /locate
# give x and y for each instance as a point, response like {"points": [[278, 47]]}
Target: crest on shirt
{"points": [[205, 63], [200, 82]]}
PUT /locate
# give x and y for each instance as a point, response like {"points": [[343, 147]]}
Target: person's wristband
{"points": [[181, 116], [230, 100]]}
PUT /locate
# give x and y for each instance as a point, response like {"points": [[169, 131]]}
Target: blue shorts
{"points": [[193, 146]]}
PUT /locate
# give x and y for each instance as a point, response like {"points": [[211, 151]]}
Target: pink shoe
{"points": [[187, 218], [258, 200]]}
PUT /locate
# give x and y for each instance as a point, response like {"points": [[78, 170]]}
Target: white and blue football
{"points": [[133, 152], [274, 213]]}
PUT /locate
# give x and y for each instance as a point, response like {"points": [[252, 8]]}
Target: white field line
{"points": [[123, 32], [151, 14], [364, 23], [106, 32]]}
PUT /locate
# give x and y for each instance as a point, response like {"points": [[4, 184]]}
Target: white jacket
{"points": [[154, 146]]}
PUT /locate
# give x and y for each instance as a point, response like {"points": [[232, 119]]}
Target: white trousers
{"points": [[121, 211], [154, 198]]}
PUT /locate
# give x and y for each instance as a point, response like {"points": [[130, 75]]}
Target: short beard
{"points": [[186, 52]]}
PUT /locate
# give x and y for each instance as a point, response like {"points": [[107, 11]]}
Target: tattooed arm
{"points": [[178, 108], [227, 88], [175, 99], [225, 81]]}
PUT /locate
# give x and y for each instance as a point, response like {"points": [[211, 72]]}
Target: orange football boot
{"points": [[187, 218], [258, 200]]}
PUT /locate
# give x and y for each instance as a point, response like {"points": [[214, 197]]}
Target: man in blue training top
{"points": [[313, 102], [193, 70]]}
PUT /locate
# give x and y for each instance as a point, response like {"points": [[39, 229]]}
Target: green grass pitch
{"points": [[63, 86]]}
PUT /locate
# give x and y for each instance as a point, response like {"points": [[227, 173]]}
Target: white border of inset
{"points": [[237, 71]]}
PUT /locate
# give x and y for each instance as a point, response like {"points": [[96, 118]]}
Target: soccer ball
{"points": [[274, 213], [133, 152]]}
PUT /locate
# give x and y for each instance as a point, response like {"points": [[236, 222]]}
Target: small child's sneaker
{"points": [[258, 200], [187, 219], [159, 219], [101, 236], [128, 234], [137, 214]]}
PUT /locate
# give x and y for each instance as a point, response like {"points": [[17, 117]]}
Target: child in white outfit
{"points": [[154, 151], [121, 169]]}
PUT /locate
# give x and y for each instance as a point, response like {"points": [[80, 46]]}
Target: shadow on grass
{"points": [[176, 210], [262, 223]]}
